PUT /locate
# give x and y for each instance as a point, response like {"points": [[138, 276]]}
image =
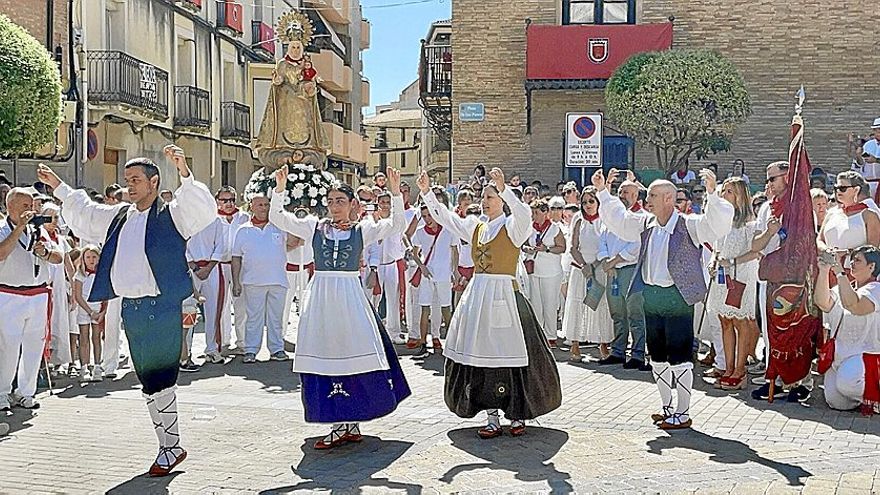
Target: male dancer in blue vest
{"points": [[143, 261], [670, 276]]}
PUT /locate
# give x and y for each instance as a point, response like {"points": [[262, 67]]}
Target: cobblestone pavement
{"points": [[244, 430]]}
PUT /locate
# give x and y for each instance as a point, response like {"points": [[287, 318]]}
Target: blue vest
{"points": [[344, 257], [166, 254]]}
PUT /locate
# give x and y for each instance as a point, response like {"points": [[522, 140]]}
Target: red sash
{"points": [[467, 273], [295, 268], [871, 395]]}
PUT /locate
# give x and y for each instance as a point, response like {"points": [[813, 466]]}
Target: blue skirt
{"points": [[355, 398]]}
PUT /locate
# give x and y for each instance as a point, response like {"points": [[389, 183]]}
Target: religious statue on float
{"points": [[291, 130]]}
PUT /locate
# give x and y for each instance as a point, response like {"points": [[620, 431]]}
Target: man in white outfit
{"points": [[113, 345], [300, 269], [258, 255], [235, 307], [392, 276], [204, 252], [24, 300]]}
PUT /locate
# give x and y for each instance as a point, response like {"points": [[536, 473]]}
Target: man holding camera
{"points": [[24, 298]]}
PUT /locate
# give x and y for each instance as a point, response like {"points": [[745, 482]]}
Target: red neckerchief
{"points": [[636, 207], [343, 225], [460, 212], [776, 205], [90, 272], [227, 215], [259, 223], [856, 208], [542, 230], [53, 236], [433, 232], [591, 218], [682, 174]]}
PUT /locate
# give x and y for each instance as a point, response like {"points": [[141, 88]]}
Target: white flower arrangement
{"points": [[306, 186]]}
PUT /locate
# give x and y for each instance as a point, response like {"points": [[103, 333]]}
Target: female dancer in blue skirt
{"points": [[347, 364]]}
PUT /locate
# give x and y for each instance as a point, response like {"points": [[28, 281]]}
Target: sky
{"points": [[392, 61]]}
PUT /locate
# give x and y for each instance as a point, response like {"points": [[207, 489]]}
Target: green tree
{"points": [[30, 92], [683, 102]]}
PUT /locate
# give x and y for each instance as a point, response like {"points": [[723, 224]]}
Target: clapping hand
{"points": [[176, 156], [281, 179], [709, 177], [393, 181], [424, 183], [48, 176], [497, 176]]}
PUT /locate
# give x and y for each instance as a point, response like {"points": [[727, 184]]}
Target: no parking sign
{"points": [[583, 140]]}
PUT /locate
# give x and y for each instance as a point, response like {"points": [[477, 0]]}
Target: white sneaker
{"points": [[4, 403], [398, 339], [85, 375], [214, 357], [98, 374], [28, 403]]}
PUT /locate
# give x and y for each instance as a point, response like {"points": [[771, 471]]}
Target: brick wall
{"points": [[32, 14], [828, 47]]}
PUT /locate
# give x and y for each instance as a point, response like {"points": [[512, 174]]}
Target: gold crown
{"points": [[295, 26]]}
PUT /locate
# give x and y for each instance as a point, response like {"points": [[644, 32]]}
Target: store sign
{"points": [[583, 140], [148, 86], [471, 112]]}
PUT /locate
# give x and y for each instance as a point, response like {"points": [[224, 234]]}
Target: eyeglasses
{"points": [[681, 200], [555, 207], [588, 202], [843, 188], [226, 200], [771, 179], [699, 191]]}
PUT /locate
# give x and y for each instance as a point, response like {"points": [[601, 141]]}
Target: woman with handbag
{"points": [[850, 359], [733, 294], [544, 250], [580, 322]]}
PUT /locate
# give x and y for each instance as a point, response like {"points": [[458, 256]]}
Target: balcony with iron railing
{"points": [[192, 107], [117, 78], [263, 36], [235, 121], [435, 71]]}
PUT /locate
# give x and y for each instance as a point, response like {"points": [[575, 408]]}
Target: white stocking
{"points": [[684, 381], [494, 419], [353, 428], [166, 407], [337, 432], [664, 379], [156, 419]]}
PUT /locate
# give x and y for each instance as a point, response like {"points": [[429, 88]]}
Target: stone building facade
{"points": [[829, 47]]}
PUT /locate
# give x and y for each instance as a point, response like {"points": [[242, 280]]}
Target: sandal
{"points": [[353, 433], [491, 430], [732, 383], [334, 439], [517, 428]]}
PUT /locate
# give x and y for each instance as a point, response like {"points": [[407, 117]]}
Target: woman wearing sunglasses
{"points": [[852, 223]]}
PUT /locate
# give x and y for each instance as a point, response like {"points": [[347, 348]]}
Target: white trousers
{"points": [[413, 310], [389, 280], [297, 281], [22, 338], [265, 304], [113, 337], [845, 384], [212, 289], [544, 294], [234, 313]]}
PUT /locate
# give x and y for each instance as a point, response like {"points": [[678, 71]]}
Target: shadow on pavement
{"points": [[726, 452], [18, 419], [337, 471], [144, 484], [434, 362], [526, 456]]}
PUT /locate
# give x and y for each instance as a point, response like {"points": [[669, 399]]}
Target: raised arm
{"points": [[622, 222], [519, 223], [87, 219], [716, 222], [193, 207], [463, 228], [395, 225], [304, 228]]}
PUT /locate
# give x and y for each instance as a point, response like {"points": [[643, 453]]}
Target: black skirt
{"points": [[522, 393]]}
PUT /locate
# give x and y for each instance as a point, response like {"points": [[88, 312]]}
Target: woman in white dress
{"points": [[346, 361], [852, 223], [735, 263], [497, 356], [543, 253], [581, 323], [854, 321], [59, 342]]}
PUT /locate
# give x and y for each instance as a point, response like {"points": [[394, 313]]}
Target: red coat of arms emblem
{"points": [[597, 50]]}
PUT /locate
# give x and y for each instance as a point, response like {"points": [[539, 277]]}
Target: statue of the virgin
{"points": [[291, 130]]}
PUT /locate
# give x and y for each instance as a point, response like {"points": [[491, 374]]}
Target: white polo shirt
{"points": [[440, 263], [17, 270], [263, 254]]}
